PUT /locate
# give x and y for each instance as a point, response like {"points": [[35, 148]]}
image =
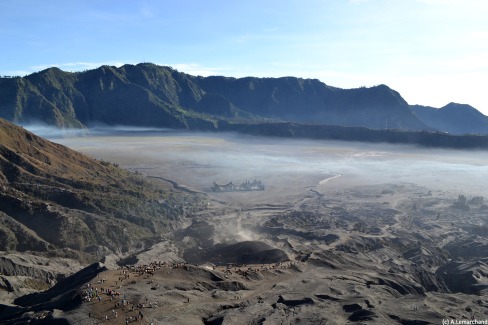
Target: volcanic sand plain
{"points": [[342, 233]]}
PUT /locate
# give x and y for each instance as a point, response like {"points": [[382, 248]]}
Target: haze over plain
{"points": [[198, 159]]}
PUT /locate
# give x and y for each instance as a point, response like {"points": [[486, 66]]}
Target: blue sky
{"points": [[431, 51]]}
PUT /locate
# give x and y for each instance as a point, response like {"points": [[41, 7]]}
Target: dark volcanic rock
{"points": [[401, 289], [214, 320], [362, 315], [292, 301], [200, 230], [231, 285], [327, 297], [247, 252], [199, 272], [468, 247], [351, 308], [408, 321], [466, 277]]}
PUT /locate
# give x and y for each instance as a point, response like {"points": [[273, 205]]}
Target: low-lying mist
{"points": [[199, 159], [50, 132]]}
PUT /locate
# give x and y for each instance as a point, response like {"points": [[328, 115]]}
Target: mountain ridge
{"points": [[159, 96]]}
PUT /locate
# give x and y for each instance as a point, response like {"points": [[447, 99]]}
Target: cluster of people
{"points": [[141, 269], [114, 314], [140, 316], [243, 271], [146, 270], [90, 293]]}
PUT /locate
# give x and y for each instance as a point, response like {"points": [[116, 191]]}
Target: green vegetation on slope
{"points": [[158, 96]]}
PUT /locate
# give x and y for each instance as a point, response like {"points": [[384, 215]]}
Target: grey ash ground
{"points": [[342, 234]]}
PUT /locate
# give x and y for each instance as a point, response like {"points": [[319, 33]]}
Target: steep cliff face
{"points": [[151, 95]]}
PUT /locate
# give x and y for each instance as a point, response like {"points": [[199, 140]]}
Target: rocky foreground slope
{"points": [[60, 208]]}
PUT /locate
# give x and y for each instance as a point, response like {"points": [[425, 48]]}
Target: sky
{"points": [[432, 52]]}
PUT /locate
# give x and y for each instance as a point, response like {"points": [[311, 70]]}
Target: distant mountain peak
{"points": [[453, 118], [459, 106]]}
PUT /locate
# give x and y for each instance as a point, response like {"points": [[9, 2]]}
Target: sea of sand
{"points": [[342, 233]]}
